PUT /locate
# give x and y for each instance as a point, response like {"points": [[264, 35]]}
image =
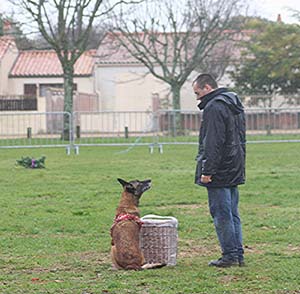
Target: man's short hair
{"points": [[206, 79]]}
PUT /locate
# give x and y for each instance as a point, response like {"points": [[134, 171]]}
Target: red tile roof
{"points": [[110, 52], [6, 43], [46, 63]]}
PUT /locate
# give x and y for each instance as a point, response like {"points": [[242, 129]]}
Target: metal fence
{"points": [[113, 128], [33, 129], [262, 125]]}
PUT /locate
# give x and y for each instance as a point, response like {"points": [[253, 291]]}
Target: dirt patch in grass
{"points": [[92, 256], [228, 279], [291, 250], [254, 249], [288, 292], [192, 248]]}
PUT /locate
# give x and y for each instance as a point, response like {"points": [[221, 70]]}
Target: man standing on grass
{"points": [[221, 163]]}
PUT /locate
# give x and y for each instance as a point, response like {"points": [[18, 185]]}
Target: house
{"points": [[31, 73], [119, 81], [8, 54], [126, 84], [36, 70], [33, 81]]}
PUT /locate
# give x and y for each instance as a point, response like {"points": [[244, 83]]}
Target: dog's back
{"points": [[127, 252]]}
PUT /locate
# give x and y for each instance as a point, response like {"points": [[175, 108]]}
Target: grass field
{"points": [[142, 139], [54, 232]]}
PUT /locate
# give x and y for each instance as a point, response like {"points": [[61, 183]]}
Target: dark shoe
{"points": [[221, 262], [242, 262]]}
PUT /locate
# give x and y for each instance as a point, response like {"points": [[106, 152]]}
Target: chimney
{"points": [[279, 18]]}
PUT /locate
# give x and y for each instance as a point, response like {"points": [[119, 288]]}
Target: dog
{"points": [[125, 232]]}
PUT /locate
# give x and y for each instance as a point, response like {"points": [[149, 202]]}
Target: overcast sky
{"points": [[271, 8], [264, 8]]}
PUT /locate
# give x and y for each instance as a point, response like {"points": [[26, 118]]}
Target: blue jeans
{"points": [[223, 206]]}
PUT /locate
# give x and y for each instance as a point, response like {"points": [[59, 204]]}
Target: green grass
{"points": [[54, 228], [141, 139]]}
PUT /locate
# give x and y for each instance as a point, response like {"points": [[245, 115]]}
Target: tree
{"points": [[66, 25], [270, 62], [8, 26], [96, 36], [1, 26], [172, 39]]}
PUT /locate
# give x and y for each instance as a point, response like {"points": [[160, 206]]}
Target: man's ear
{"points": [[122, 182], [207, 87]]}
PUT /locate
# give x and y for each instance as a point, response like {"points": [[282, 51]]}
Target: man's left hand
{"points": [[205, 179]]}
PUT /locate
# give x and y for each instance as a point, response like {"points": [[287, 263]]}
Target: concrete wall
{"points": [[6, 64], [126, 88], [16, 85], [132, 88]]}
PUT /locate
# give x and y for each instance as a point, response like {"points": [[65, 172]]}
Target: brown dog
{"points": [[125, 231]]}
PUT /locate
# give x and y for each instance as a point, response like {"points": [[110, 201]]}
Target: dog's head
{"points": [[136, 187]]}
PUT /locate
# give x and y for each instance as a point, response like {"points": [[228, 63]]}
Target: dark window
{"points": [[30, 90]]}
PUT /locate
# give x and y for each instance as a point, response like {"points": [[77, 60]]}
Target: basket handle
{"points": [[154, 216]]}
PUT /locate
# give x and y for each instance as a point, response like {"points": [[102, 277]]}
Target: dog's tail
{"points": [[153, 265]]}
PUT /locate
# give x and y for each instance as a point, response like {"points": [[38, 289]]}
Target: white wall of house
{"points": [[126, 88], [6, 64], [131, 88], [16, 85]]}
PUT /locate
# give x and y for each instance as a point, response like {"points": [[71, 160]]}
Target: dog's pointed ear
{"points": [[122, 182]]}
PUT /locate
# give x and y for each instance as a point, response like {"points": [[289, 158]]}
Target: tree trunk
{"points": [[68, 103], [176, 116], [175, 89]]}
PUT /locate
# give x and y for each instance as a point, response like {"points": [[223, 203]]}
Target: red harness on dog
{"points": [[126, 216]]}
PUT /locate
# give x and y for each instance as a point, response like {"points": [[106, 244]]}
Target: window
{"points": [[44, 87], [30, 90]]}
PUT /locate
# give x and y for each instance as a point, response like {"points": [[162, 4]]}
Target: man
{"points": [[221, 163]]}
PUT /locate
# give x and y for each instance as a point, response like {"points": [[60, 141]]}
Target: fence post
{"points": [[78, 132], [68, 150], [269, 125], [268, 128], [76, 150], [151, 148], [126, 132], [29, 133], [155, 126]]}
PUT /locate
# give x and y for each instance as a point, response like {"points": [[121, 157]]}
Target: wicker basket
{"points": [[158, 239]]}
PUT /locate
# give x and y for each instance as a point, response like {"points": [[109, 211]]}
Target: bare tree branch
{"points": [[173, 39], [66, 25]]}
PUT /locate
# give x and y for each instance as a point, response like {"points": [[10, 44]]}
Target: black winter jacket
{"points": [[221, 140]]}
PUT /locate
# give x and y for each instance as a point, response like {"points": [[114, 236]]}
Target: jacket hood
{"points": [[230, 98]]}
